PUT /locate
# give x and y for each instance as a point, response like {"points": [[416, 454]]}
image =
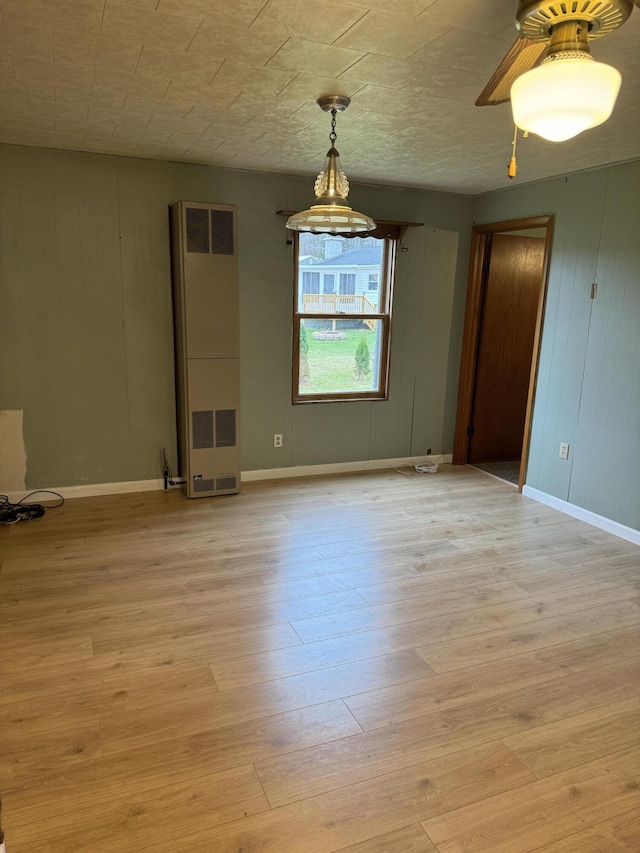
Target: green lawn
{"points": [[332, 364]]}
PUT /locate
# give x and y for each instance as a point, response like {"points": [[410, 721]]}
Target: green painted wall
{"points": [[588, 391], [86, 318]]}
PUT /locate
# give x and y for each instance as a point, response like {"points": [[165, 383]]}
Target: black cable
{"points": [[10, 513]]}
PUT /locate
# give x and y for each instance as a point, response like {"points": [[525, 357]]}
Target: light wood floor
{"points": [[373, 663]]}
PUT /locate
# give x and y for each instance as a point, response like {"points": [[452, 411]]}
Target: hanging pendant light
{"points": [[331, 213]]}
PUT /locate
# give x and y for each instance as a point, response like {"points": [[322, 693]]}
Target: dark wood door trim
{"points": [[478, 260]]}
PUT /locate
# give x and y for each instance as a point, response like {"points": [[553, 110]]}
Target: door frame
{"points": [[478, 270]]}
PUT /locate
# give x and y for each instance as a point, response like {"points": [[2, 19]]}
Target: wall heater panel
{"points": [[206, 308]]}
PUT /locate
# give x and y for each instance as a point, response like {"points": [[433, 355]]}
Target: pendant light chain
{"points": [[333, 135]]}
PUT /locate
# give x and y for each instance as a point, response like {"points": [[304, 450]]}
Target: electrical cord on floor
{"points": [[10, 513], [428, 467]]}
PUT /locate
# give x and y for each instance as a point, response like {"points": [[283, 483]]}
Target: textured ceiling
{"points": [[234, 83]]}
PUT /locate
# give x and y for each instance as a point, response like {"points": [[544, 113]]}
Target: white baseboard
{"points": [[338, 467], [97, 489], [91, 490], [592, 518]]}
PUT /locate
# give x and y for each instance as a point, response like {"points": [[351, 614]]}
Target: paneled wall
{"points": [[86, 319], [588, 390]]}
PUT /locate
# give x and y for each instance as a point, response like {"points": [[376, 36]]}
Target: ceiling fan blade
{"points": [[523, 56]]}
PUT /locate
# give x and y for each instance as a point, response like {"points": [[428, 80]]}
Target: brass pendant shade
{"points": [[331, 213]]}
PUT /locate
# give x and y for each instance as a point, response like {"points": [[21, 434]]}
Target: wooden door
{"points": [[505, 348]]}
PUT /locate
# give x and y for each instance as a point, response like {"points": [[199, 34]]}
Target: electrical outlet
{"points": [[277, 439], [428, 451], [564, 450]]}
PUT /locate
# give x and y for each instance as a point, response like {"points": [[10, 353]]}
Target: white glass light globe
{"points": [[560, 99]]}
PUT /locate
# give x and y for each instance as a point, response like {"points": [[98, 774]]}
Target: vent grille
{"points": [[198, 230], [226, 481], [203, 486], [221, 232], [202, 429], [226, 428]]}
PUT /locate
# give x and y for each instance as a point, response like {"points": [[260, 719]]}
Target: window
{"points": [[341, 334], [311, 282], [347, 283]]}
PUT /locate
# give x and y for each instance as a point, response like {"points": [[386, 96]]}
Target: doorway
{"points": [[503, 322]]}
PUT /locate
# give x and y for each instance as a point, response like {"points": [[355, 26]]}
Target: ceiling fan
{"points": [[556, 88]]}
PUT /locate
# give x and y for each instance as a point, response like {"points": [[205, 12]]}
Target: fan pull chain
{"points": [[512, 169]]}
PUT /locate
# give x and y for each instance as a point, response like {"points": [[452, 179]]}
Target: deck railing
{"points": [[339, 303]]}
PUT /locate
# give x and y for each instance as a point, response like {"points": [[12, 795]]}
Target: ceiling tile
{"points": [[82, 95], [368, 122], [185, 93], [390, 35], [84, 17], [53, 109], [320, 20], [300, 54], [237, 43], [231, 118], [95, 50], [308, 87], [190, 127], [157, 62], [119, 118], [238, 148], [26, 41], [446, 82], [140, 135], [404, 8], [386, 101], [73, 74], [387, 71], [10, 105], [483, 18], [249, 79], [241, 12], [132, 23], [109, 80], [84, 128], [238, 135], [29, 123], [154, 107], [143, 4], [275, 110], [478, 55], [6, 66]]}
